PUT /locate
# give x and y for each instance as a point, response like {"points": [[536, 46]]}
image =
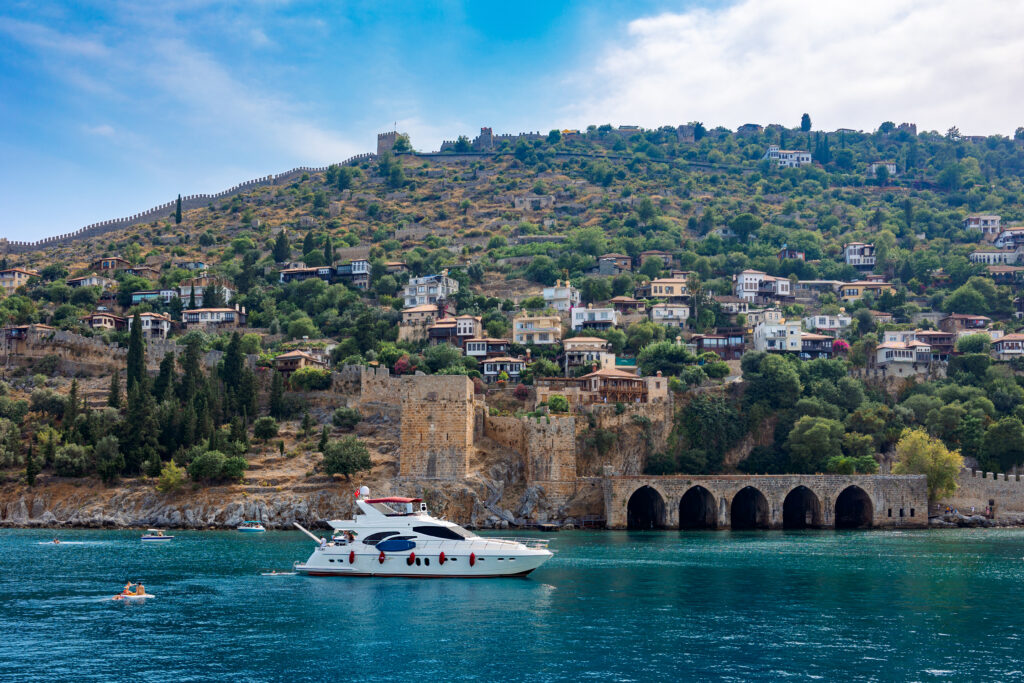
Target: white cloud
{"points": [[849, 64], [103, 130]]}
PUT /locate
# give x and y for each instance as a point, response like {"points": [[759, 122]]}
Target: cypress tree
{"points": [[31, 466], [192, 297], [136, 354], [114, 395], [328, 251], [307, 424], [139, 430], [177, 211], [308, 242], [322, 446], [73, 406], [277, 396], [248, 393], [231, 372], [165, 378], [191, 369], [282, 250]]}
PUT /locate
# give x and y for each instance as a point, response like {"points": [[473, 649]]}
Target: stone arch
{"points": [[645, 509], [853, 509], [697, 509], [749, 509], [801, 509]]}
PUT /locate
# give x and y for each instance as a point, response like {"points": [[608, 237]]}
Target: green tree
{"points": [[346, 418], [770, 379], [277, 407], [31, 467], [974, 343], [745, 225], [136, 364], [805, 123], [282, 250], [264, 428], [812, 442], [139, 430], [346, 456], [328, 251], [665, 356], [918, 453], [207, 467], [1003, 446], [177, 211], [324, 434], [171, 478], [108, 458]]}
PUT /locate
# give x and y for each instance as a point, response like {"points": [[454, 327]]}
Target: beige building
{"points": [[416, 320], [537, 329], [12, 278]]}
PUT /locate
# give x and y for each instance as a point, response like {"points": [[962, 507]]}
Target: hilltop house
{"points": [[102, 320], [289, 362], [814, 346], [832, 323], [455, 330], [729, 344], [214, 317], [586, 352], [429, 289], [995, 257], [852, 291], [594, 318], [536, 329], [783, 336], [754, 285], [987, 224], [859, 255], [674, 315], [483, 348], [904, 358], [493, 367], [200, 284], [671, 290], [92, 280], [787, 158], [12, 278], [110, 263], [562, 296], [416, 320], [154, 325], [1009, 238], [889, 166]]}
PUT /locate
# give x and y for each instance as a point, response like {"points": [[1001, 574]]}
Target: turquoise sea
{"points": [[620, 606]]}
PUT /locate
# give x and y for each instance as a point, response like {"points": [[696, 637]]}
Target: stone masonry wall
{"points": [[976, 488], [437, 426]]}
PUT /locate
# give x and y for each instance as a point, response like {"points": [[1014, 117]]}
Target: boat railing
{"points": [[541, 543]]}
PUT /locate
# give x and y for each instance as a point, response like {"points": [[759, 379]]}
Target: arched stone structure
{"points": [[853, 509], [801, 509], [646, 509], [698, 510], [816, 497], [749, 510]]}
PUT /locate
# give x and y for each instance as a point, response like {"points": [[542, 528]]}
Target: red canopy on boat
{"points": [[393, 499]]}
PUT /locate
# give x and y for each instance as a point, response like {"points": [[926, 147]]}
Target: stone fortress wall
{"points": [[188, 202], [1003, 492]]}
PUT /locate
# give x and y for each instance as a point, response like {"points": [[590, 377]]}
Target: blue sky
{"points": [[107, 108]]}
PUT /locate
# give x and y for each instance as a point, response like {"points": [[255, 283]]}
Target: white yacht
{"points": [[397, 537]]}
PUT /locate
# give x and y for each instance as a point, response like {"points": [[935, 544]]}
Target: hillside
{"points": [[505, 217]]}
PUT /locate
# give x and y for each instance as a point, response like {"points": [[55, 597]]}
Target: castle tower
{"points": [[386, 141], [485, 142]]}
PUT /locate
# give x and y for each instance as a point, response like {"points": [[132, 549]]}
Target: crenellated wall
{"points": [[1004, 492]]}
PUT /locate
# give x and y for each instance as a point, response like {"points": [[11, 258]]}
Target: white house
{"points": [[154, 325], [751, 284], [430, 288], [987, 224], [214, 317], [995, 257], [904, 358], [756, 316], [782, 336], [859, 255], [889, 166], [1009, 347], [562, 296], [493, 367], [92, 280], [594, 318], [1011, 237], [834, 323], [674, 315], [787, 158]]}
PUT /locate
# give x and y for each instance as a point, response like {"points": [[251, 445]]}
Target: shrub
{"points": [[71, 461], [234, 468], [171, 478], [264, 428], [346, 456], [558, 403], [521, 392], [346, 418], [207, 467], [311, 379], [717, 369]]}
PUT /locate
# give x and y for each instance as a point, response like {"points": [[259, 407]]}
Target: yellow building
{"points": [[852, 291], [12, 278], [537, 329]]}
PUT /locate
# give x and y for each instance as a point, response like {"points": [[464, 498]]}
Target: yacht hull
{"points": [[516, 562]]}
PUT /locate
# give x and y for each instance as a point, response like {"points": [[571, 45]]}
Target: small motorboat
{"points": [[156, 535], [276, 573], [251, 526]]}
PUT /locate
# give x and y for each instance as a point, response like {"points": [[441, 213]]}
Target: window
{"points": [[447, 533]]}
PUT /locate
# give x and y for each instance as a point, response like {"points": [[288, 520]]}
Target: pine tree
{"points": [[114, 396], [136, 370], [177, 211], [31, 467], [328, 251], [277, 396], [282, 250]]}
